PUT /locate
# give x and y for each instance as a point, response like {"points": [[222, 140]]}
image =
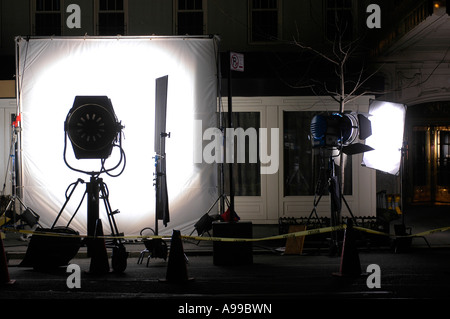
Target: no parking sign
{"points": [[237, 61]]}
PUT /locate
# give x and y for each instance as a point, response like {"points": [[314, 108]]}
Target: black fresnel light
{"points": [[92, 127], [94, 131]]}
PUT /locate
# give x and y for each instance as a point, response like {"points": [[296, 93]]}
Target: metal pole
{"points": [[92, 190], [230, 125], [18, 152]]}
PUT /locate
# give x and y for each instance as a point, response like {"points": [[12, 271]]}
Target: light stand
{"points": [[156, 246], [335, 193], [401, 229], [27, 215], [96, 189], [222, 199], [230, 124], [402, 171], [204, 224], [160, 183], [337, 131], [94, 130]]}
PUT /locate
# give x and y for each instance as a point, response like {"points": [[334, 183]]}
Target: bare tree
{"points": [[341, 53], [348, 88]]}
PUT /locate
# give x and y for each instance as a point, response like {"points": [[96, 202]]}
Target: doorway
{"points": [[429, 152]]}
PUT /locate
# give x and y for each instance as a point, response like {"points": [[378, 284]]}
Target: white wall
{"points": [[272, 204]]}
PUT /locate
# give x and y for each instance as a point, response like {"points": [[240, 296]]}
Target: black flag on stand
{"points": [[162, 200]]}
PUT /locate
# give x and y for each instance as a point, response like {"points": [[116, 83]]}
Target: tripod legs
{"points": [[336, 198], [96, 190], [119, 254]]}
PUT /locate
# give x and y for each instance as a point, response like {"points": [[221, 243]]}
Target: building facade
{"points": [[398, 44]]}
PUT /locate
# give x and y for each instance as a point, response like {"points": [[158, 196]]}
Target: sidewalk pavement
{"points": [[296, 283], [420, 272]]}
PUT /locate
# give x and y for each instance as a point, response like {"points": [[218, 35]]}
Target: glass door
{"points": [[249, 184], [442, 170], [421, 163], [246, 172], [430, 155]]}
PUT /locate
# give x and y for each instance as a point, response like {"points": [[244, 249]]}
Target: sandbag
{"points": [[50, 248]]}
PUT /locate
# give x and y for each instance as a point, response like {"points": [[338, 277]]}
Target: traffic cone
{"points": [[4, 273], [350, 263], [177, 264], [99, 256]]}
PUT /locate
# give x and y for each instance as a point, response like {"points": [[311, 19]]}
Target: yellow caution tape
{"points": [[51, 234], [437, 230], [225, 239], [294, 234], [4, 220], [371, 231], [428, 232]]}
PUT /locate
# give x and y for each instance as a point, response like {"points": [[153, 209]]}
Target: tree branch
{"points": [[315, 51]]}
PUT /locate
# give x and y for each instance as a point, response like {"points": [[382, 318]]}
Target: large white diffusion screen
{"points": [[52, 71]]}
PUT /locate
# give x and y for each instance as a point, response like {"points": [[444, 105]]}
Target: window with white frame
{"points": [[339, 20], [111, 17], [190, 17], [47, 17], [264, 20]]}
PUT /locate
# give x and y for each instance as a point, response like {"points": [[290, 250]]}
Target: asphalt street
{"points": [[420, 274], [273, 280]]}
